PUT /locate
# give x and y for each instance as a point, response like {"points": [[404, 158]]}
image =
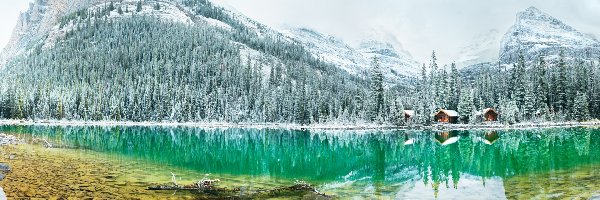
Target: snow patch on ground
{"points": [[332, 127]]}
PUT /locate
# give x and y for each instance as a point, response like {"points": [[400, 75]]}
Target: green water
{"points": [[546, 163]]}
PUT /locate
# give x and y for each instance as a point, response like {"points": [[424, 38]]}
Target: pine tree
{"points": [[377, 90], [519, 79], [397, 112], [466, 106], [594, 91], [561, 85], [541, 84], [509, 111], [111, 6], [580, 111], [454, 87], [138, 6], [529, 108]]}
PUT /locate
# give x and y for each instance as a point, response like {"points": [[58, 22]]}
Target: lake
{"points": [[124, 161]]}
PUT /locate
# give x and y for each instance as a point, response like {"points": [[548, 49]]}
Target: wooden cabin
{"points": [[489, 115], [408, 115], [446, 116]]}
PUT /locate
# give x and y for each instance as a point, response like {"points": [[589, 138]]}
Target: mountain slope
{"points": [[539, 34], [357, 61], [167, 61], [483, 48]]}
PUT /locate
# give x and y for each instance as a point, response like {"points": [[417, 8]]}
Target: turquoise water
{"points": [[395, 164]]}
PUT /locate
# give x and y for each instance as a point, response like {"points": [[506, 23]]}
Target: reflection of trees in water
{"points": [[327, 156]]}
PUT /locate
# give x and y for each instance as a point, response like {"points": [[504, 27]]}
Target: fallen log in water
{"points": [[208, 187]]}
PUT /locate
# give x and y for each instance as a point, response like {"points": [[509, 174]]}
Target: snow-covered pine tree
{"points": [[377, 90], [454, 87], [594, 90], [519, 81], [580, 108], [397, 112], [509, 111], [540, 84], [138, 6], [529, 106], [561, 85], [466, 106]]}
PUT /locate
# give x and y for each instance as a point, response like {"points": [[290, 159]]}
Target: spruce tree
{"points": [[509, 111], [529, 108], [138, 6], [466, 106], [541, 84], [561, 85], [519, 81], [377, 90], [580, 110], [454, 87]]}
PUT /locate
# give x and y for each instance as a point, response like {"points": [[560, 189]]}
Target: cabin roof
{"points": [[488, 110], [450, 113], [485, 111]]}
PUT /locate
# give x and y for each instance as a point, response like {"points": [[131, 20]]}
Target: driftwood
{"points": [[209, 187]]}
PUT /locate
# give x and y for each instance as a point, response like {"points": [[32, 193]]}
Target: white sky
{"points": [[417, 26]]}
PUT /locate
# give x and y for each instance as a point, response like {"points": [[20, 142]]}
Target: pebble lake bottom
{"points": [[123, 162]]}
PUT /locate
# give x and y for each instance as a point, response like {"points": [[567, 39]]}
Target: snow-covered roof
{"points": [[485, 111], [409, 112], [450, 113]]}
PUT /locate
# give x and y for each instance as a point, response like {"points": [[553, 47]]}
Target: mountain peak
{"points": [[540, 34], [535, 17], [534, 10]]}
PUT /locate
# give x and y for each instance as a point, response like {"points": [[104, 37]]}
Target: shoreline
{"points": [[313, 127]]}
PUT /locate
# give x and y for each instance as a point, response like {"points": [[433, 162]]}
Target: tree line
{"points": [[527, 91], [143, 68]]}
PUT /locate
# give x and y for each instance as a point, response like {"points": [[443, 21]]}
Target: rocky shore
{"points": [[5, 167]]}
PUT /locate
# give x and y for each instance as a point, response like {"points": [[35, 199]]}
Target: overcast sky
{"points": [[418, 26]]}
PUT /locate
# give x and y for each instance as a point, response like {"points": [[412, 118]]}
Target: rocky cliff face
{"points": [[536, 33], [34, 24]]}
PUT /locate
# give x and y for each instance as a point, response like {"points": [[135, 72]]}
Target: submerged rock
{"points": [[4, 167], [8, 139]]}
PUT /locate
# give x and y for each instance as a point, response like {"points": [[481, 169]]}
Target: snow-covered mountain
{"points": [[47, 21], [34, 24], [536, 33], [396, 65], [483, 48]]}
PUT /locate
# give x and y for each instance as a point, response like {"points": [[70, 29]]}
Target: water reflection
{"points": [[381, 163], [447, 138], [491, 137]]}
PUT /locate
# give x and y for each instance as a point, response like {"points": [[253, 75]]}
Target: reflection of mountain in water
{"points": [[376, 160]]}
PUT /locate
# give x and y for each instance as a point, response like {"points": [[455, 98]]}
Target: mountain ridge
{"points": [[537, 33]]}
